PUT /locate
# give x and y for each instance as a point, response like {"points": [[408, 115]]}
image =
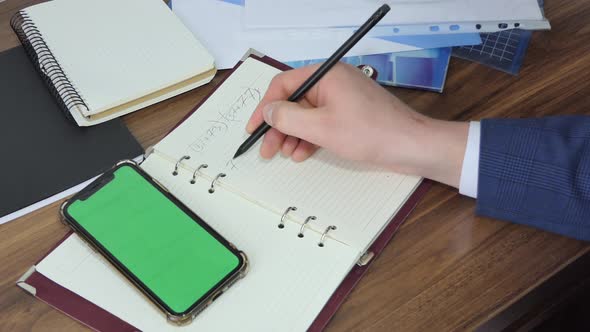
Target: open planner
{"points": [[103, 59], [304, 226]]}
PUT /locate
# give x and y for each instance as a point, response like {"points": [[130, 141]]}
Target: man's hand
{"points": [[350, 115]]}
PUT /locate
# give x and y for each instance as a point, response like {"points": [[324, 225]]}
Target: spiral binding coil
{"points": [[44, 61]]}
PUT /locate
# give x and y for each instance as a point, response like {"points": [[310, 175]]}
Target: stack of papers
{"points": [[410, 47]]}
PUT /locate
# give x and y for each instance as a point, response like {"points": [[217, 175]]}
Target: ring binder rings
{"points": [[175, 172], [289, 209], [60, 86], [281, 225], [212, 189], [194, 179], [215, 180], [324, 234], [307, 220]]}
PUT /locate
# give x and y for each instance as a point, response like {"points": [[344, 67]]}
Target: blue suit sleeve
{"points": [[536, 172]]}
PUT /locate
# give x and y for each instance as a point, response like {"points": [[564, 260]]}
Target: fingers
{"points": [[284, 84], [271, 143], [275, 140], [303, 151], [289, 146], [291, 121], [295, 120], [255, 121], [280, 88], [257, 118]]}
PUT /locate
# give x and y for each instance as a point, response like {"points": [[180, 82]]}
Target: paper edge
{"points": [[22, 281]]}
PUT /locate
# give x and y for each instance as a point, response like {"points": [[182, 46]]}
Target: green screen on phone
{"points": [[177, 258]]}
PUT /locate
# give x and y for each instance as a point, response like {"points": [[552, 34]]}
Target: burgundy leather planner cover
{"points": [[99, 319]]}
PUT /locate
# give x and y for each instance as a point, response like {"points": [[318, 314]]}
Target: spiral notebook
{"points": [[106, 58], [307, 228]]}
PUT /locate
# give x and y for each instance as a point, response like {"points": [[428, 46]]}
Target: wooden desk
{"points": [[446, 269]]}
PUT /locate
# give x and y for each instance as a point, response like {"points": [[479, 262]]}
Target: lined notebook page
{"points": [[289, 280], [114, 51], [356, 198]]}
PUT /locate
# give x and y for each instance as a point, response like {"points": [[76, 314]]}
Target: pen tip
{"points": [[237, 154]]}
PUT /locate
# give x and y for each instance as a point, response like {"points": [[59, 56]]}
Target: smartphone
{"points": [[178, 261]]}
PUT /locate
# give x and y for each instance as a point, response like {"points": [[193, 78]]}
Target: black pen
{"points": [[318, 74]]}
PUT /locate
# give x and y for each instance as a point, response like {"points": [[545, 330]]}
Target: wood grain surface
{"points": [[447, 269]]}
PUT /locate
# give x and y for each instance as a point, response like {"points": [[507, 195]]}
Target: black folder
{"points": [[42, 152]]}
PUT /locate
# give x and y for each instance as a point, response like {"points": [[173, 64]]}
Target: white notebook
{"points": [[107, 58], [291, 276]]}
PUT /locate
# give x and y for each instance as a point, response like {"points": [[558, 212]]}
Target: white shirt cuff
{"points": [[470, 169]]}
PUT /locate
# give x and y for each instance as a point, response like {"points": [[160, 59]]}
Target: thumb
{"points": [[295, 120]]}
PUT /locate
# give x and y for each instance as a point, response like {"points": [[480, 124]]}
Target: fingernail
{"points": [[267, 113], [249, 128]]}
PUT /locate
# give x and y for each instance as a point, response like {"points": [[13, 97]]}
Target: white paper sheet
{"points": [[218, 25], [335, 13]]}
